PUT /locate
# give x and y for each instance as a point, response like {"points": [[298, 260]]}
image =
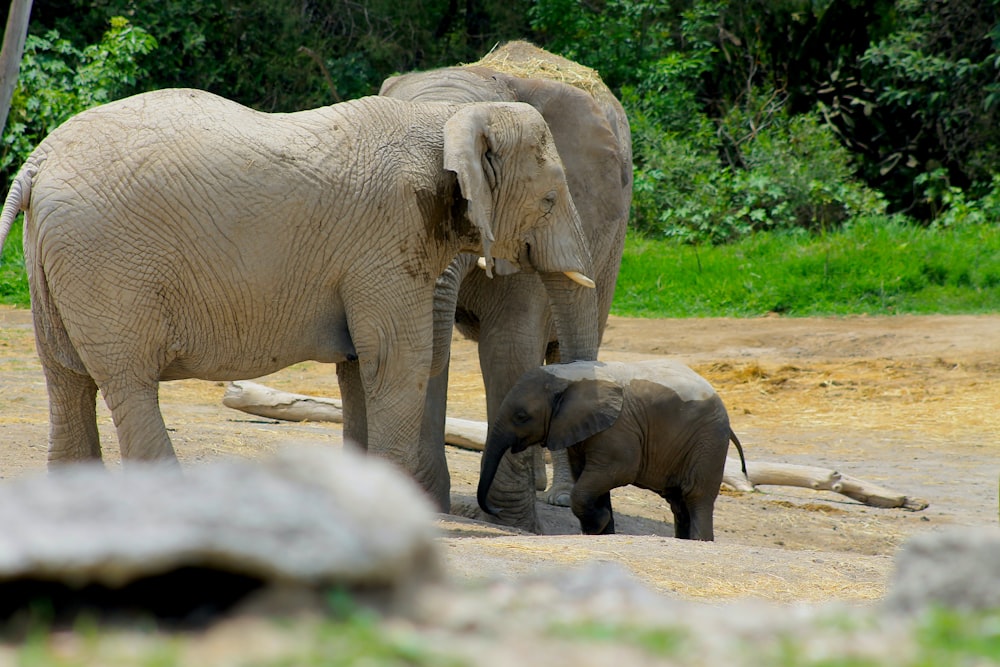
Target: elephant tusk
{"points": [[580, 279], [575, 276]]}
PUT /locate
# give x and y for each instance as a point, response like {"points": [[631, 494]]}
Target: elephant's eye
{"points": [[548, 203], [521, 417]]}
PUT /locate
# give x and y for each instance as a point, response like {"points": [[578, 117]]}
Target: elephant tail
{"points": [[17, 201], [739, 448]]}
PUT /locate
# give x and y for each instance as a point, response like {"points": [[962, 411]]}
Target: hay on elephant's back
{"points": [[527, 61]]}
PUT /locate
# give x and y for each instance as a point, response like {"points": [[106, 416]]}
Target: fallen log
{"points": [[265, 401], [765, 473]]}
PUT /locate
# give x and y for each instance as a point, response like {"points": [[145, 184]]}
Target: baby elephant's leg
{"points": [[701, 507], [692, 513], [679, 508], [591, 503], [594, 513]]}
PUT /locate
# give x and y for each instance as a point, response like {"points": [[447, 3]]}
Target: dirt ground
{"points": [[909, 403]]}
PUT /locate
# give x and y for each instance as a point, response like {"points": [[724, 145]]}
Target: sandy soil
{"points": [[909, 403]]}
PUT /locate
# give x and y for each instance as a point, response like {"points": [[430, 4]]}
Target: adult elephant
{"points": [[514, 318], [176, 234]]}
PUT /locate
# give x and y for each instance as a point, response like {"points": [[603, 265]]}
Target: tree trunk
{"points": [[267, 402], [10, 55]]}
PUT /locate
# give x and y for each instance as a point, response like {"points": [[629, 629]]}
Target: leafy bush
{"points": [[57, 80], [937, 77], [791, 173], [950, 204], [707, 171]]}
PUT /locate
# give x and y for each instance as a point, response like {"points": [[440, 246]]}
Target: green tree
{"points": [[285, 55], [58, 80], [936, 96]]}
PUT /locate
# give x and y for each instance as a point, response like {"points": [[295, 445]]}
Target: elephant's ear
{"points": [[468, 151], [586, 408]]}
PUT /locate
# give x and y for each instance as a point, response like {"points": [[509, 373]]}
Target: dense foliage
{"points": [[747, 114]]}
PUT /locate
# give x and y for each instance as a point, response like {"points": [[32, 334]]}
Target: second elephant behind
{"points": [[654, 424], [516, 317]]}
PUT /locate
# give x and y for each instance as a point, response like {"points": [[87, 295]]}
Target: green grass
{"points": [[345, 636], [875, 266], [350, 635], [940, 637], [13, 279], [660, 642]]}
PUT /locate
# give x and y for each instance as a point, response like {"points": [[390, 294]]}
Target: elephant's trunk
{"points": [[574, 310], [493, 453]]}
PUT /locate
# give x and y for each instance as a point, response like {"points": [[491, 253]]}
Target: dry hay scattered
{"points": [[527, 61], [876, 393]]}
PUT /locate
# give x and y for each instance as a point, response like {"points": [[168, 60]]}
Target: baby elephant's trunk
{"points": [[496, 447]]}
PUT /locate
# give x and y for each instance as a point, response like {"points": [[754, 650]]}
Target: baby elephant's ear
{"points": [[586, 408]]}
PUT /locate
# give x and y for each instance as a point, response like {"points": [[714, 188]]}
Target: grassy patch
{"points": [[875, 266], [661, 642], [939, 637], [13, 279], [346, 636], [953, 638]]}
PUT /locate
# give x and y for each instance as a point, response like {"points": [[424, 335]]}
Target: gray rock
{"points": [[308, 517], [958, 568]]}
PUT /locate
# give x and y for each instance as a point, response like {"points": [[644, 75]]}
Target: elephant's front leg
{"points": [[394, 402], [432, 467], [593, 509], [394, 362], [590, 499], [560, 492], [352, 395]]}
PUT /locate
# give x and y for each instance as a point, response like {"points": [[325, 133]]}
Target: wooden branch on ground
{"points": [[271, 403], [764, 473], [264, 401]]}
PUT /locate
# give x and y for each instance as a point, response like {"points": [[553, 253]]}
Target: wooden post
{"points": [[10, 54]]}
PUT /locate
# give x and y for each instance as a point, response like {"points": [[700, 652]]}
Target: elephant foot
{"points": [[559, 495]]}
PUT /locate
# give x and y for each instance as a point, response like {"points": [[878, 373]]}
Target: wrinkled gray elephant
{"points": [[655, 424], [176, 234], [514, 318]]}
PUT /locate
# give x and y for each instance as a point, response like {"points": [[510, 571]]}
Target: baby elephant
{"points": [[655, 424]]}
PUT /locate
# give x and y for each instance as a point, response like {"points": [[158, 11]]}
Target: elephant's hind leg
{"points": [[73, 432], [135, 409]]}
